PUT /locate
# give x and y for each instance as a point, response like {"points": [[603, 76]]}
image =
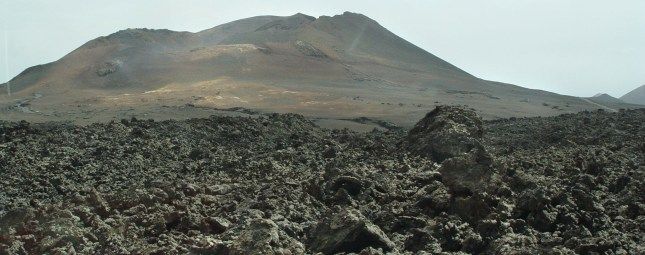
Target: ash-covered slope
{"points": [[140, 59], [345, 66], [636, 96], [279, 184]]}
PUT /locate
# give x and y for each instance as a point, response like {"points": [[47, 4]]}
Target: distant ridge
{"points": [[603, 97], [636, 96]]}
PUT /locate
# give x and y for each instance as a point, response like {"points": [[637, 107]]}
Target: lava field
{"points": [[278, 184]]}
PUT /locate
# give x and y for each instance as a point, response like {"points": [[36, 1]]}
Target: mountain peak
{"points": [[346, 64], [303, 16], [288, 23], [141, 38], [602, 95], [636, 96], [353, 14], [353, 17], [605, 98], [350, 17], [137, 33]]}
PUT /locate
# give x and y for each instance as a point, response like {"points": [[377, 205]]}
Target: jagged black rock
{"points": [[278, 184]]}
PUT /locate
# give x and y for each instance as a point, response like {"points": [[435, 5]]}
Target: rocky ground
{"points": [[278, 184]]}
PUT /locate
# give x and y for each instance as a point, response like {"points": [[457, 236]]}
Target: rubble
{"points": [[278, 184]]}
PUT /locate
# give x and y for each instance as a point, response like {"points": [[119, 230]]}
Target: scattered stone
{"points": [[262, 236], [349, 231], [308, 49], [352, 185], [214, 225], [109, 67]]}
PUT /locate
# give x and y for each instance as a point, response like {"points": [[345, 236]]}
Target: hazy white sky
{"points": [[575, 47]]}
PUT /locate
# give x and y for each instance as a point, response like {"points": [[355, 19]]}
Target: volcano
{"points": [[341, 67]]}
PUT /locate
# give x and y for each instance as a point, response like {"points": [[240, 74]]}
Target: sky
{"points": [[573, 47]]}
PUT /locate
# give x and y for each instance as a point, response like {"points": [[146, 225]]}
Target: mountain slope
{"points": [[636, 96], [344, 66]]}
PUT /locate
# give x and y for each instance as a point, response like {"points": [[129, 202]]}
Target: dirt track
{"points": [[279, 184]]}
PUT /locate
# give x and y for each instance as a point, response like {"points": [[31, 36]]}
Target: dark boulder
{"points": [[469, 173], [453, 136], [348, 232], [446, 132]]}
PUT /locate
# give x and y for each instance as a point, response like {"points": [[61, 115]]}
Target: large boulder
{"points": [[469, 173], [348, 231], [446, 132], [452, 136]]}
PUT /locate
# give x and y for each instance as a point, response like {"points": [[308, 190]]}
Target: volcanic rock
{"points": [[349, 231], [453, 136], [558, 185], [262, 236], [446, 132], [468, 173]]}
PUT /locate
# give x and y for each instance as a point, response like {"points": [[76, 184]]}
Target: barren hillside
{"points": [[636, 96], [345, 66]]}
